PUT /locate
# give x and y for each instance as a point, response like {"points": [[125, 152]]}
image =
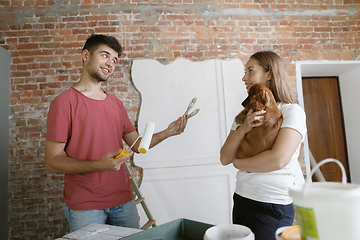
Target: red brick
{"points": [[45, 60]]}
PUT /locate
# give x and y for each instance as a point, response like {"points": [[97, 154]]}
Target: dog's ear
{"points": [[269, 98], [265, 97]]}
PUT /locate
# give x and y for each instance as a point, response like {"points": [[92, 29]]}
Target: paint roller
{"points": [[144, 143], [146, 139]]}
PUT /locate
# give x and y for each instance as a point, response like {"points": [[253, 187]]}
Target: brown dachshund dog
{"points": [[263, 137]]}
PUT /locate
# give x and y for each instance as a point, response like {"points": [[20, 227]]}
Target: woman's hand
{"points": [[253, 119], [229, 149]]}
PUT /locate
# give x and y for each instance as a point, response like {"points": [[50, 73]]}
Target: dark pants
{"points": [[262, 218]]}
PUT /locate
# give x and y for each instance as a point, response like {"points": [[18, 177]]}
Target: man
{"points": [[86, 127]]}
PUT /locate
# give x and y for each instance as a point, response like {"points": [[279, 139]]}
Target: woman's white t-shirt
{"points": [[273, 187]]}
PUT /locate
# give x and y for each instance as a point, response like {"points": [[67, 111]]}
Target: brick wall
{"points": [[45, 38]]}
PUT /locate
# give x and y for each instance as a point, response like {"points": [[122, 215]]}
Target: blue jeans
{"points": [[125, 215], [262, 218]]}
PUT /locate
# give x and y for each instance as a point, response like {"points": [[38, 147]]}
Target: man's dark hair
{"points": [[95, 40]]}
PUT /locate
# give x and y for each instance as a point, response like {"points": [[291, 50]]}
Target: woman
{"points": [[261, 198]]}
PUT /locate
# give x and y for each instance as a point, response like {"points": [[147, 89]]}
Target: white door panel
{"points": [[201, 193], [183, 177]]}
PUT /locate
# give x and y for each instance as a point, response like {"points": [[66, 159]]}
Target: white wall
{"points": [[183, 177], [350, 90], [348, 73]]}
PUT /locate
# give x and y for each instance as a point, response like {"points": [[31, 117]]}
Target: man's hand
{"points": [[109, 162], [178, 126]]}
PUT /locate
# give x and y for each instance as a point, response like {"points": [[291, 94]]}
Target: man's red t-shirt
{"points": [[91, 128]]}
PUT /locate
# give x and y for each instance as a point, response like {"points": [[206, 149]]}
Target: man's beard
{"points": [[99, 77]]}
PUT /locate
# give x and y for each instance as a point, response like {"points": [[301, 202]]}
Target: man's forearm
{"points": [[67, 165], [159, 137]]}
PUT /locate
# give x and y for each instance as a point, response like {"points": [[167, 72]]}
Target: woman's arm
{"points": [[278, 157], [228, 150]]}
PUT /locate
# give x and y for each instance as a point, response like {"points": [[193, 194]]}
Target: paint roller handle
{"points": [[122, 153]]}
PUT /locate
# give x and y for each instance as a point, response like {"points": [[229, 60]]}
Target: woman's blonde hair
{"points": [[279, 82]]}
